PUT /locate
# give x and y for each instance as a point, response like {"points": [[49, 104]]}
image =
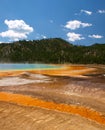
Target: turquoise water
{"points": [[26, 66]]}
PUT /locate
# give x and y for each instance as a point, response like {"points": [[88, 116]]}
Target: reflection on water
{"points": [[26, 66]]}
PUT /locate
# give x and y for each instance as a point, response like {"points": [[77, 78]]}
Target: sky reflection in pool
{"points": [[4, 67]]}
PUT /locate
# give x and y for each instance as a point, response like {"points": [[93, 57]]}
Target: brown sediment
{"points": [[29, 101]]}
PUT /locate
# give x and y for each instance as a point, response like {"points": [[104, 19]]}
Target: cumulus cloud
{"points": [[18, 25], [86, 12], [13, 35], [74, 36], [75, 24], [17, 29], [101, 11], [95, 36]]}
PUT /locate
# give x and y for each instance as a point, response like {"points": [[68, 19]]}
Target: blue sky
{"points": [[80, 22]]}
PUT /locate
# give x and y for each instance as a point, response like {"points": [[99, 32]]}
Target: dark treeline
{"points": [[53, 50]]}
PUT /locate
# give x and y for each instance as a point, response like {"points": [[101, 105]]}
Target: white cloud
{"points": [[75, 24], [18, 25], [74, 37], [17, 29], [43, 36], [13, 35], [101, 11], [86, 12], [95, 36]]}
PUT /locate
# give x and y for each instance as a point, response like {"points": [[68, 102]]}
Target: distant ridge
{"points": [[53, 50]]}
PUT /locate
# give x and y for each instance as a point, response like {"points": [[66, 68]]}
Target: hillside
{"points": [[53, 50]]}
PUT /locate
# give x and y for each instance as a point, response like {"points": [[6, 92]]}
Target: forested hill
{"points": [[53, 50]]}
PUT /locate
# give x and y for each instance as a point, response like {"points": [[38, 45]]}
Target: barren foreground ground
{"points": [[70, 98]]}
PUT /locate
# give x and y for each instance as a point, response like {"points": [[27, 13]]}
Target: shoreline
{"points": [[65, 70]]}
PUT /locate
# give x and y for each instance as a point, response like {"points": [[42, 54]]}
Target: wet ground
{"points": [[86, 90]]}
